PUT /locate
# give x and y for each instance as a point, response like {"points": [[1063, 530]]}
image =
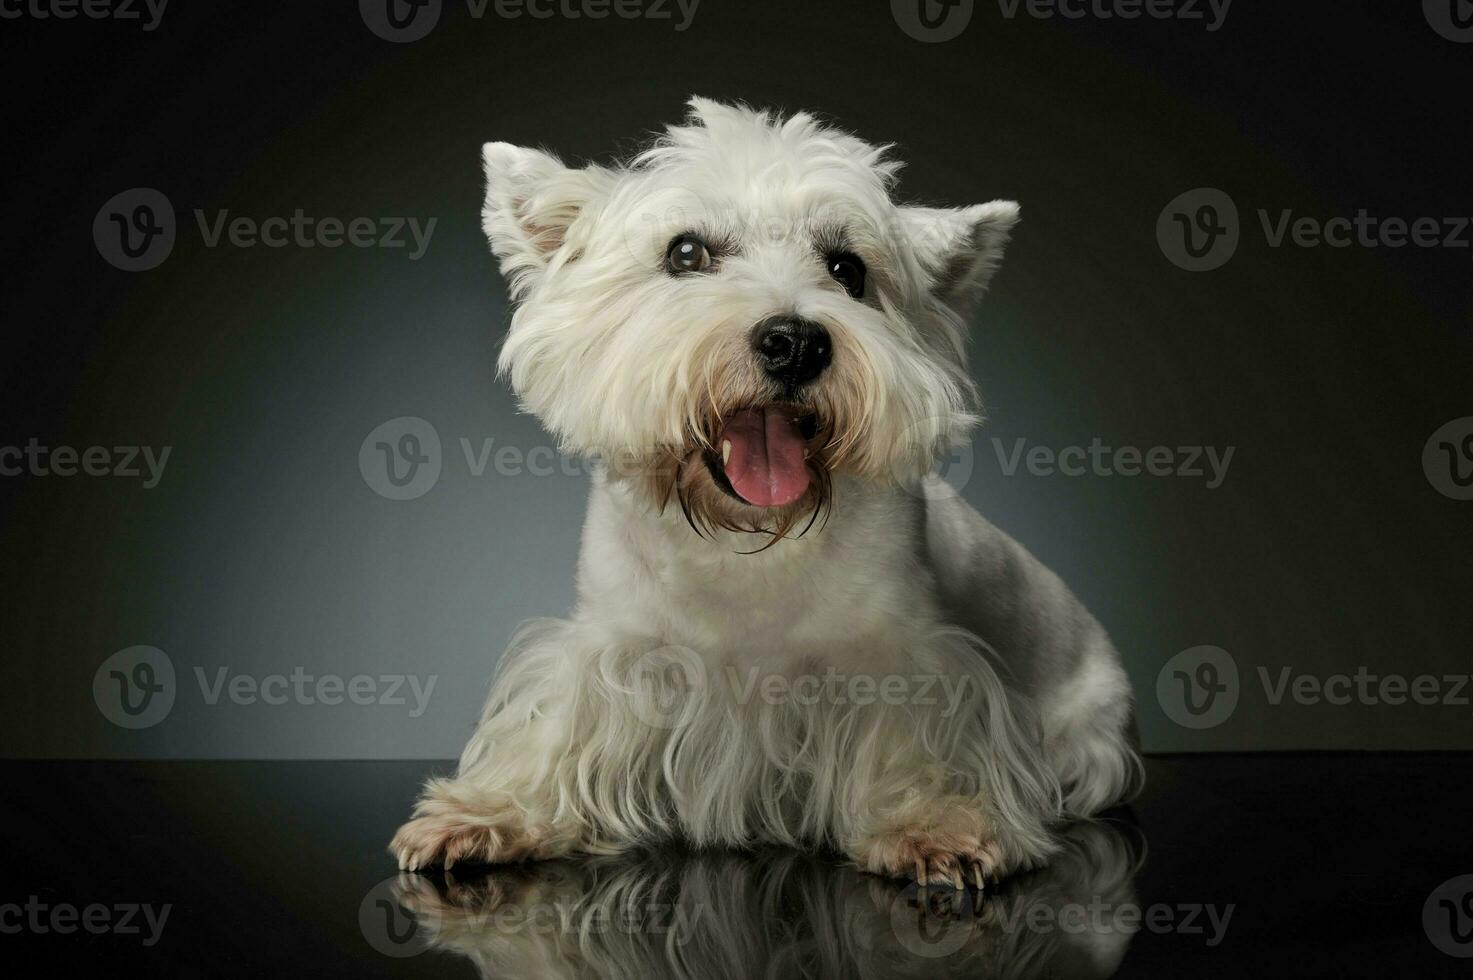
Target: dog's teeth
{"points": [[725, 451]]}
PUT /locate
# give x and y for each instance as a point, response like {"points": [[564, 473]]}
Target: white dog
{"points": [[786, 630]]}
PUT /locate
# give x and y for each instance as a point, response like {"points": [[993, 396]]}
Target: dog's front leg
{"points": [[954, 792], [566, 756], [467, 819], [944, 839]]}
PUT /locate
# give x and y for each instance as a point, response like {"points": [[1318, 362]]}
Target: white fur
{"points": [[633, 720]]}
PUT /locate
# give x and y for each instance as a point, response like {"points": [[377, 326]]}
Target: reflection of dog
{"points": [[768, 354], [783, 914]]}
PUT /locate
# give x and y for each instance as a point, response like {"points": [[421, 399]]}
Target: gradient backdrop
{"points": [[263, 550]]}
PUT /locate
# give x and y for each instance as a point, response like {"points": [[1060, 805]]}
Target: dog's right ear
{"points": [[960, 248], [531, 201]]}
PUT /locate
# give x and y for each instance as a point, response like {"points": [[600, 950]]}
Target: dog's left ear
{"points": [[531, 200], [960, 248]]}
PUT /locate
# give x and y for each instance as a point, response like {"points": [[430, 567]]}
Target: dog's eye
{"points": [[688, 254], [848, 270]]}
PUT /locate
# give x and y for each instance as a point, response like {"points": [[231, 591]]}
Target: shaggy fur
{"points": [[870, 667]]}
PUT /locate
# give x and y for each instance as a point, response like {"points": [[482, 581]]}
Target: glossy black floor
{"points": [[1228, 866]]}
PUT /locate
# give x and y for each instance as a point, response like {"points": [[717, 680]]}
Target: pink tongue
{"points": [[765, 465]]}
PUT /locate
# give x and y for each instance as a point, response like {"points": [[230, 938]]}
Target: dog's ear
{"points": [[531, 200], [960, 248]]}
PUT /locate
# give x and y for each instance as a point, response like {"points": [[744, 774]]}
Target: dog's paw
{"points": [[446, 837], [943, 844]]}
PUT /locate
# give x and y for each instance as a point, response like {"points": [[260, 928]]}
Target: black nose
{"points": [[792, 350]]}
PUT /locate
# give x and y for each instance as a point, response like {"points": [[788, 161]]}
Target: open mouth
{"points": [[761, 454]]}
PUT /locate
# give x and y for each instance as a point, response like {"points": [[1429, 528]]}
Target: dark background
{"points": [[263, 549]]}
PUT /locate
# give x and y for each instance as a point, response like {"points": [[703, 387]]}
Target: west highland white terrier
{"points": [[788, 629]]}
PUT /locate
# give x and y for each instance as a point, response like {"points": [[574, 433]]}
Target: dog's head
{"points": [[740, 312]]}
